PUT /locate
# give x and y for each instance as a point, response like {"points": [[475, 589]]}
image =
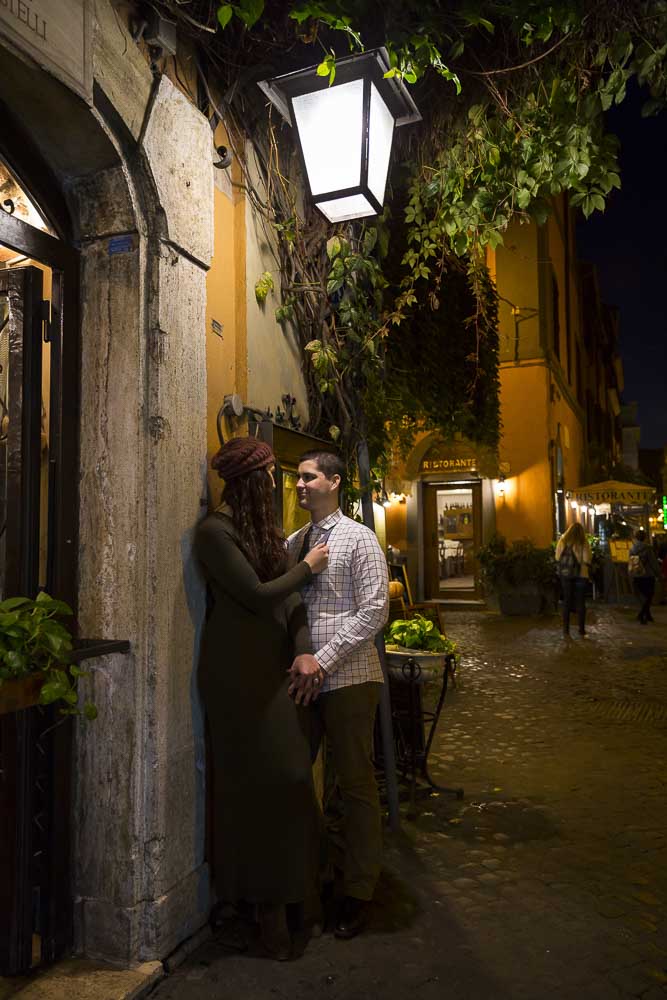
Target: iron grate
{"points": [[629, 711]]}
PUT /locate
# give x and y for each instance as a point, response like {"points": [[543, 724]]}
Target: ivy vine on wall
{"points": [[513, 95]]}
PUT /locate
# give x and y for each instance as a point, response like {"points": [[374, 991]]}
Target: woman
{"points": [[644, 569], [265, 813], [573, 555]]}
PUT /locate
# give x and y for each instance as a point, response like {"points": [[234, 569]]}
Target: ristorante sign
{"points": [[437, 463], [623, 494], [56, 34]]}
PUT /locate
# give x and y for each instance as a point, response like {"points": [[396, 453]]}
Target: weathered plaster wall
{"points": [[525, 510], [226, 353], [516, 271], [274, 359]]}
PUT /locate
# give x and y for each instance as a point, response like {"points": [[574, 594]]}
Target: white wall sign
{"points": [[56, 34]]}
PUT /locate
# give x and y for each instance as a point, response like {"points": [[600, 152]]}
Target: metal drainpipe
{"points": [[386, 726]]}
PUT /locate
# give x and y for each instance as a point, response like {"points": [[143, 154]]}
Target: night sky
{"points": [[629, 244]]}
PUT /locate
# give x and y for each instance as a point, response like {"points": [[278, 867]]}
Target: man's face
{"points": [[313, 489]]}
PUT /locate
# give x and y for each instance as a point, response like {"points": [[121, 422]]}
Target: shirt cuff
{"points": [[326, 659]]}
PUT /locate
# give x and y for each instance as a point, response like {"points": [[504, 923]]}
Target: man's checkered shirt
{"points": [[348, 603]]}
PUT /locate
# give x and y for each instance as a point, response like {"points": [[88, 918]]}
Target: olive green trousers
{"points": [[351, 805]]}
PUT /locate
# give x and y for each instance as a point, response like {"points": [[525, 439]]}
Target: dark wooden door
{"points": [[20, 429], [38, 501]]}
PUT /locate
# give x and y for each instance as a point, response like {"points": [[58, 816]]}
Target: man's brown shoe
{"points": [[351, 917]]}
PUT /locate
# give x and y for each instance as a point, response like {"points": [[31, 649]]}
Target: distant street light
{"points": [[345, 130]]}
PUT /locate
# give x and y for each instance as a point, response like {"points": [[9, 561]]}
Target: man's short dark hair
{"points": [[640, 535], [328, 462]]}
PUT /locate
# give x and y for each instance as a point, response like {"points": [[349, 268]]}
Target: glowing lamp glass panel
{"points": [[354, 206], [330, 124], [380, 135]]}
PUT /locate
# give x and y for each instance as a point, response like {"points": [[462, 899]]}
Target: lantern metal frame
{"points": [[368, 66]]}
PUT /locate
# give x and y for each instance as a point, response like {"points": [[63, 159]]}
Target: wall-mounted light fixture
{"points": [[501, 485], [345, 130], [224, 158]]}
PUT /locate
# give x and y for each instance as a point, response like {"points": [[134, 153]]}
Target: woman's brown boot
{"points": [[274, 935]]}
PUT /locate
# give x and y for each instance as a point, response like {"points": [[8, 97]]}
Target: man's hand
{"points": [[307, 678]]}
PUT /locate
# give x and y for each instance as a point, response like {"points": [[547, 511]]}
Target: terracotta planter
{"points": [[19, 694], [429, 666]]}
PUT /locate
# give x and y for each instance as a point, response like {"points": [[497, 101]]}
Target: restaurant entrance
{"points": [[452, 535]]}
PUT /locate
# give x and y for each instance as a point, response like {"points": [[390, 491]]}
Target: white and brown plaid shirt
{"points": [[348, 603]]}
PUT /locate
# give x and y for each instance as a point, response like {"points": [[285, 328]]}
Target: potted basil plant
{"points": [[419, 640], [35, 649]]}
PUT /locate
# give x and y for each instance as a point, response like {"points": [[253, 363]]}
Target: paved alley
{"points": [[549, 879]]}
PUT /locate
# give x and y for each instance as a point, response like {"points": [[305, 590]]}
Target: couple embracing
{"points": [[288, 657]]}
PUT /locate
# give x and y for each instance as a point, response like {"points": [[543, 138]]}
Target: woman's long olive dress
{"points": [[265, 814]]}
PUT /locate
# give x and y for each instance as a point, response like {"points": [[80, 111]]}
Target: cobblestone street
{"points": [[550, 878]]}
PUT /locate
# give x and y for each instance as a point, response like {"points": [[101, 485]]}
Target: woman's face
{"points": [[270, 470]]}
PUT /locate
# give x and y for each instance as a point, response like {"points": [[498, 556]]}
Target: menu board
{"points": [[619, 549]]}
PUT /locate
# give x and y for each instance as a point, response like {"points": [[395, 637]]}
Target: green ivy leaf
{"points": [[54, 690], [523, 198], [13, 602], [225, 14], [263, 286], [300, 15], [249, 11]]}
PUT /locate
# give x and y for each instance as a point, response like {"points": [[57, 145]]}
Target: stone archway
{"points": [[133, 185]]}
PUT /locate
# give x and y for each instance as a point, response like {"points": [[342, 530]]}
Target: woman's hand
{"points": [[318, 557]]}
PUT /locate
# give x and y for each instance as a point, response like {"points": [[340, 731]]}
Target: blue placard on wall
{"points": [[121, 244]]}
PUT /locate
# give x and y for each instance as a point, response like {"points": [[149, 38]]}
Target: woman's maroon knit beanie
{"points": [[240, 456]]}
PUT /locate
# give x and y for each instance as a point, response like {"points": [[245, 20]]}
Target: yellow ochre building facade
{"points": [[560, 380]]}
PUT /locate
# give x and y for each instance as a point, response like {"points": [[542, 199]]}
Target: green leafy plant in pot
{"points": [[417, 634], [521, 575], [35, 647]]}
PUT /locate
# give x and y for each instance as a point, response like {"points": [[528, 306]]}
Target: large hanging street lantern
{"points": [[345, 130]]}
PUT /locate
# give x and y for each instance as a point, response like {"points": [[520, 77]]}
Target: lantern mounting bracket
{"points": [[280, 89]]}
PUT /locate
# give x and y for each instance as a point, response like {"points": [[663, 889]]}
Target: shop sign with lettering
{"points": [[628, 497], [56, 34], [438, 464]]}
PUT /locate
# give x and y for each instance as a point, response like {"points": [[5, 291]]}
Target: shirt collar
{"points": [[329, 521]]}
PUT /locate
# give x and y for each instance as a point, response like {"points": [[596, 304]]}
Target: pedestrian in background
{"points": [[644, 570], [573, 556], [266, 817]]}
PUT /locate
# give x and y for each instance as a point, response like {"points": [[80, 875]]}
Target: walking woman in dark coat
{"points": [[265, 811]]}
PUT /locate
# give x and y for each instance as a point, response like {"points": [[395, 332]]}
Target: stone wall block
{"points": [[112, 437], [174, 785], [108, 805], [171, 919], [102, 204], [107, 932], [178, 144], [119, 67], [112, 595]]}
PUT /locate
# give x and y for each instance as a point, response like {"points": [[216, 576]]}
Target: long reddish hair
{"points": [[250, 498]]}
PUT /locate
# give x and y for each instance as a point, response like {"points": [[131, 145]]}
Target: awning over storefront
{"points": [[611, 491]]}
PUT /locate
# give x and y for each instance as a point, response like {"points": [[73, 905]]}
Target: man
{"points": [[644, 569], [347, 605]]}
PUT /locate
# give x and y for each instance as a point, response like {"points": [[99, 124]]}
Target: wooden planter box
{"points": [[19, 694]]}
